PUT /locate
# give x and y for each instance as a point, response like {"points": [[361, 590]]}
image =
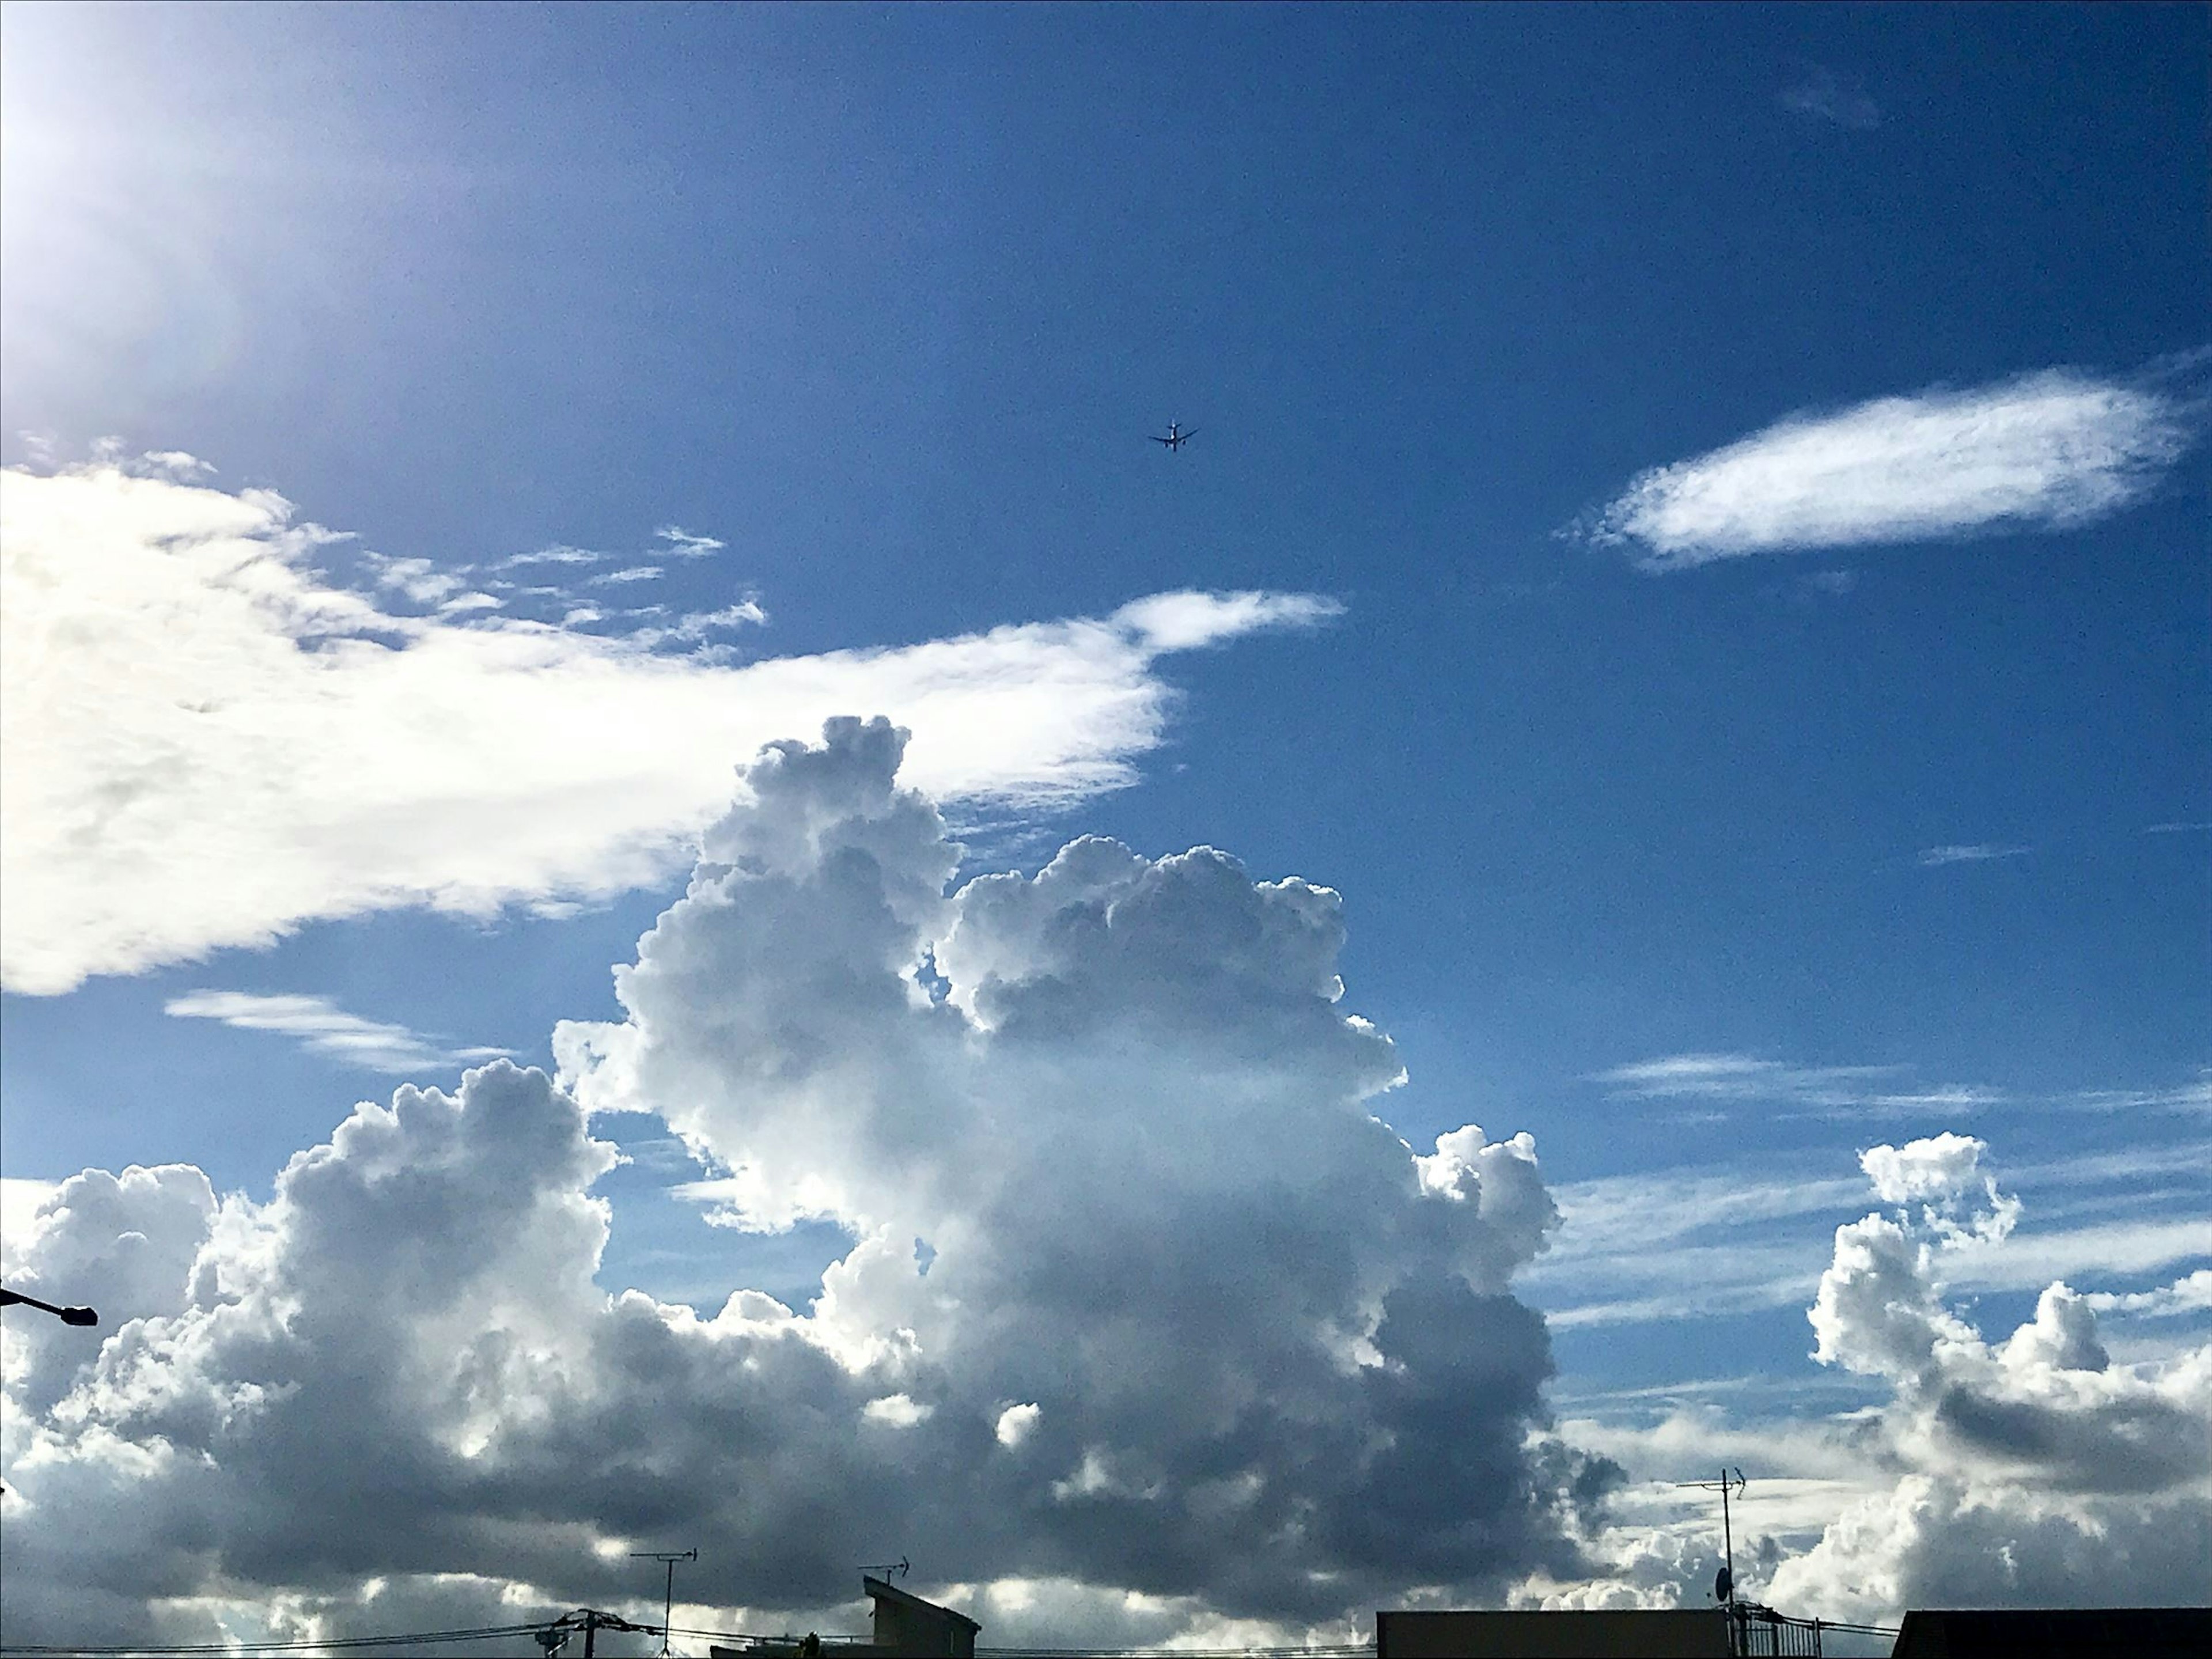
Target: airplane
{"points": [[1176, 437]]}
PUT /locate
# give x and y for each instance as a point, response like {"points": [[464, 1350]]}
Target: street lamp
{"points": [[67, 1315]]}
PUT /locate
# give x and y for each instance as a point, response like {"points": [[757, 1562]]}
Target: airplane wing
{"points": [[1169, 442]]}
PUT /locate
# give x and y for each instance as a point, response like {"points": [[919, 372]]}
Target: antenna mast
{"points": [[668, 1602]]}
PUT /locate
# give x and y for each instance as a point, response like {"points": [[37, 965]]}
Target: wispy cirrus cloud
{"points": [[557, 553], [1978, 852], [2043, 451], [320, 1026], [682, 545], [1679, 1244], [205, 742], [1821, 94], [1746, 1079]]}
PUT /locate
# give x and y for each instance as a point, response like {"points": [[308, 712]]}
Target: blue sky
{"points": [[1889, 811]]}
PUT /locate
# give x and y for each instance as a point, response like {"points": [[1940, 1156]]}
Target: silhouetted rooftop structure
{"points": [[906, 1627], [1642, 1633], [912, 1628], [2035, 1633]]}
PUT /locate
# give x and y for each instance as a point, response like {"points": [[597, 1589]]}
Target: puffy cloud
{"points": [[1943, 1175], [2041, 451], [206, 743], [2035, 1470], [1190, 1330]]}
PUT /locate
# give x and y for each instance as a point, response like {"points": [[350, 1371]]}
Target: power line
{"points": [[160, 1650]]}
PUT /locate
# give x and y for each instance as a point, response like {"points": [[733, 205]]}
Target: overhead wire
{"points": [[492, 1633], [294, 1644]]}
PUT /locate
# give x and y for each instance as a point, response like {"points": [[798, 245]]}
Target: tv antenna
{"points": [[668, 1602], [886, 1569], [1724, 1580]]}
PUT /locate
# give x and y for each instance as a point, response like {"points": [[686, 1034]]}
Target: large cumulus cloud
{"points": [[1142, 1296], [2031, 1471]]}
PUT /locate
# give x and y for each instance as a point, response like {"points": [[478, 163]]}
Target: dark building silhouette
{"points": [[1638, 1633], [912, 1628], [2046, 1632], [906, 1627]]}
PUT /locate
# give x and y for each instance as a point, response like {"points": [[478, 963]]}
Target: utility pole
{"points": [[591, 1621], [668, 1599], [1724, 1587]]}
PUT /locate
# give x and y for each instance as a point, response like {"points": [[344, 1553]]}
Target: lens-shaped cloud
{"points": [[2041, 452]]}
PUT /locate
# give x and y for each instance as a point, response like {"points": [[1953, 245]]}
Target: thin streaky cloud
{"points": [[1823, 95], [634, 573], [557, 553], [2041, 452], [1931, 858], [682, 545], [2192, 1096], [2178, 828], [1746, 1078], [320, 1026]]}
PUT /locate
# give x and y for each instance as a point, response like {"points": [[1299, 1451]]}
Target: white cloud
{"points": [[2043, 451], [2042, 1468], [321, 1027], [2191, 1294], [895, 1411], [205, 744], [1137, 1111], [1186, 622], [20, 1198], [1943, 1175], [2035, 1471], [682, 545], [1748, 1079], [1823, 95], [555, 554], [1675, 1244], [632, 573], [1979, 853], [418, 579]]}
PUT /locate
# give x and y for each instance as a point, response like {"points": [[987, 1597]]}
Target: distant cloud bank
{"points": [[2044, 451]]}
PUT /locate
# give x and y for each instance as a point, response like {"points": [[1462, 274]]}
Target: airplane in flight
{"points": [[1177, 438]]}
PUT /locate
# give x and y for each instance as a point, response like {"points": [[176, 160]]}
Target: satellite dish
{"points": [[1723, 1585]]}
